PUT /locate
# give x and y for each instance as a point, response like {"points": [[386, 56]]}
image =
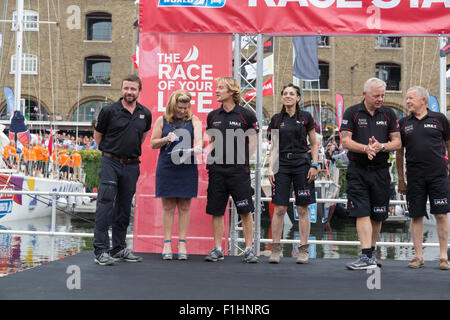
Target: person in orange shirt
{"points": [[32, 162], [12, 152], [45, 160], [64, 163], [76, 162], [26, 158], [39, 163], [6, 154]]}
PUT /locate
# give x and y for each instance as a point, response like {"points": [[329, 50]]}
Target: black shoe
{"points": [[104, 259], [126, 255], [374, 256], [362, 263]]}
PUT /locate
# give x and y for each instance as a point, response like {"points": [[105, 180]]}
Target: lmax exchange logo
{"points": [[192, 3]]}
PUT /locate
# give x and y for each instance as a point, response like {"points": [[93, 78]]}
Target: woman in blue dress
{"points": [[178, 135]]}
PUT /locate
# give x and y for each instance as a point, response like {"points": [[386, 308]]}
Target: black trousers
{"points": [[115, 194]]}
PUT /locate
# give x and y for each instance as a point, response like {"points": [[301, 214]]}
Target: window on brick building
{"points": [[323, 41], [88, 111], [98, 26], [97, 70], [387, 42], [389, 73], [29, 64], [31, 19], [324, 76]]}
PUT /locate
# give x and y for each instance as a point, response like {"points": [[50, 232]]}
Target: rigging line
{"points": [[39, 64], [287, 56], [5, 6], [28, 45], [277, 81], [51, 59], [423, 55], [434, 61], [66, 77], [36, 196], [412, 62], [5, 9]]}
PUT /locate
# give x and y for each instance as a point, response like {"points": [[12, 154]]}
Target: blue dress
{"points": [[179, 178]]}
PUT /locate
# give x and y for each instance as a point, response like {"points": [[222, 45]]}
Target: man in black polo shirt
{"points": [[120, 131], [233, 130], [369, 132], [426, 138]]}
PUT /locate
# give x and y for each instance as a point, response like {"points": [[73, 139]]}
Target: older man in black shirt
{"points": [[369, 132], [120, 131], [426, 138]]}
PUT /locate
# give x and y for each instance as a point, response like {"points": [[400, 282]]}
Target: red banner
{"points": [[169, 62], [327, 17], [339, 112], [267, 90]]}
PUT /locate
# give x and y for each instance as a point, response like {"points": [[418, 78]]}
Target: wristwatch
{"points": [[382, 147], [315, 165]]}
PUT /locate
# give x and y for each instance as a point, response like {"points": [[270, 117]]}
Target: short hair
{"points": [[421, 92], [373, 83], [133, 78], [233, 86], [178, 96]]}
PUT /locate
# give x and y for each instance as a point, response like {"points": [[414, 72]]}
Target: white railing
{"points": [[55, 194]]}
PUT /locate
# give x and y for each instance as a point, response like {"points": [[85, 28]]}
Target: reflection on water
{"points": [[345, 230], [19, 252]]}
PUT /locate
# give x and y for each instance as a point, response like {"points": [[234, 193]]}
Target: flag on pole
{"points": [[18, 130], [267, 90], [268, 45], [268, 68], [9, 96], [433, 103], [306, 64]]}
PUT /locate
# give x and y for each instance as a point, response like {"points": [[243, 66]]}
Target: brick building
{"points": [[82, 61], [345, 63], [78, 63]]}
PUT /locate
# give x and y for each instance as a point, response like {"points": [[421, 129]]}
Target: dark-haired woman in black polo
{"points": [[290, 162]]}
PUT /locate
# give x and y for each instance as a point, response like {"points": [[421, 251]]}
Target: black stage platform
{"points": [[232, 279]]}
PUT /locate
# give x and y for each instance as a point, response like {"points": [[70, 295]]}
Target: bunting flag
{"points": [[268, 68], [267, 90], [306, 64]]}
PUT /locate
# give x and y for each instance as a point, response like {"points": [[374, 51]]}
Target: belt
{"points": [[291, 155], [371, 168], [123, 161]]}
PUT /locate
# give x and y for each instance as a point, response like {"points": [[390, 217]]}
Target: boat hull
{"points": [[21, 206]]}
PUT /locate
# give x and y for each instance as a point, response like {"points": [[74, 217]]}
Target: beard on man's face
{"points": [[130, 98]]}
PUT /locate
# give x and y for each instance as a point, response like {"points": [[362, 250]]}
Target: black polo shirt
{"points": [[425, 143], [237, 122], [293, 131], [123, 131], [363, 126]]}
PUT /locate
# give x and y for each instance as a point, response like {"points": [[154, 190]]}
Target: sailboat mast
{"points": [[442, 78], [19, 40]]}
